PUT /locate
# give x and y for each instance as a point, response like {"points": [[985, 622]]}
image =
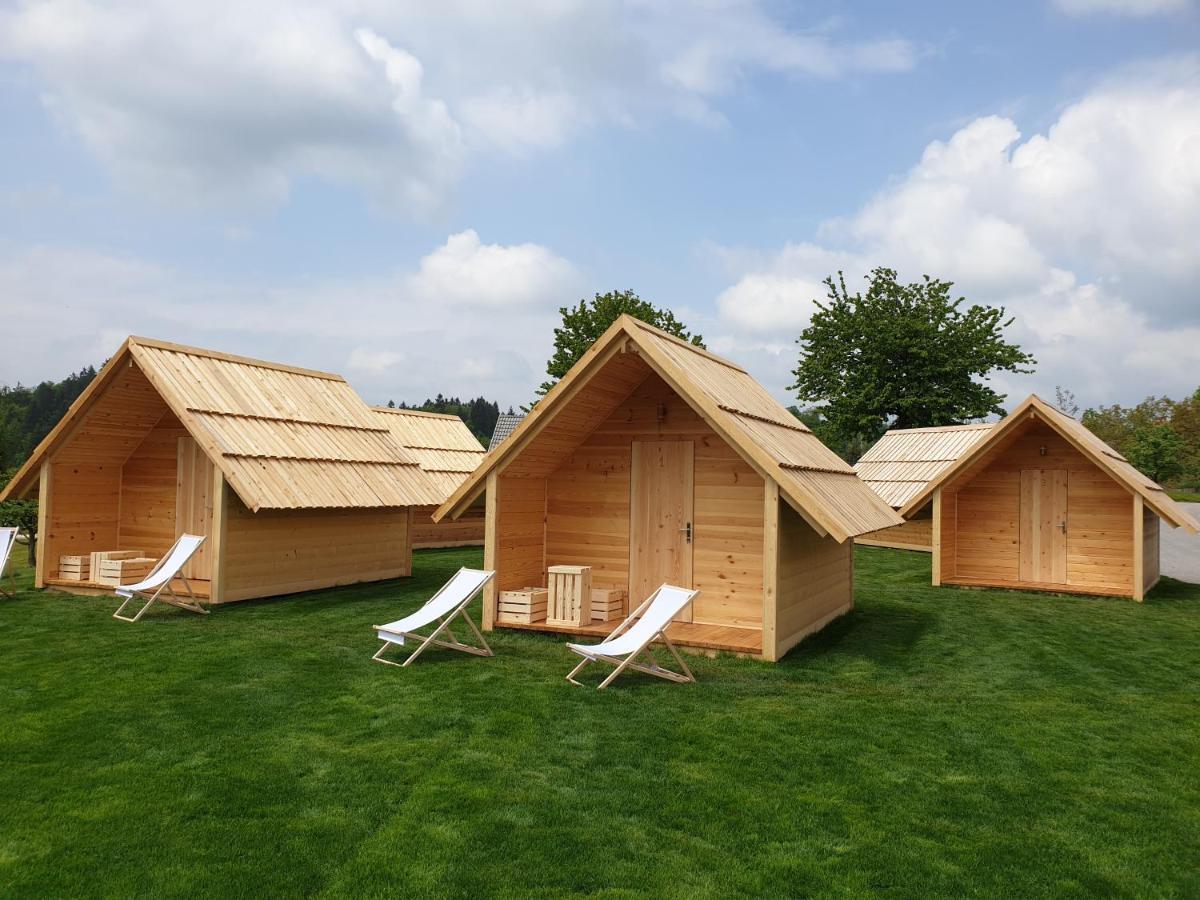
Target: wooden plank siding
{"points": [[915, 534], [274, 552], [982, 512], [149, 491], [588, 506], [816, 581], [465, 531]]}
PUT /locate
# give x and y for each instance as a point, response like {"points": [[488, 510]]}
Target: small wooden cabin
{"points": [[448, 452], [900, 465], [1041, 503], [292, 477], [655, 461]]}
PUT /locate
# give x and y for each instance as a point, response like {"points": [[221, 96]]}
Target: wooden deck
{"points": [[683, 634], [94, 589]]}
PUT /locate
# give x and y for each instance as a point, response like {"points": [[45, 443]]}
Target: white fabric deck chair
{"points": [[8, 541], [632, 638], [157, 585], [443, 607]]}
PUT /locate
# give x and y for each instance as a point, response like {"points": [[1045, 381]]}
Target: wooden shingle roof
{"points": [[814, 480], [902, 462], [1078, 435], [441, 444], [283, 437]]}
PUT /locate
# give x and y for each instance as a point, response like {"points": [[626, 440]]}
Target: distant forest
{"points": [[479, 414], [28, 414]]}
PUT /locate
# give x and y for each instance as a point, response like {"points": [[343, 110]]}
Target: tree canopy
{"points": [[583, 324], [902, 356], [480, 414]]}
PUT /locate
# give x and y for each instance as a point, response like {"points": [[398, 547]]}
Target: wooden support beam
{"points": [[491, 537], [217, 540], [1139, 549], [937, 537], [45, 495], [770, 644]]}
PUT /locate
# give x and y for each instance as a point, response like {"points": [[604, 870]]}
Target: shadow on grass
{"points": [[885, 636]]}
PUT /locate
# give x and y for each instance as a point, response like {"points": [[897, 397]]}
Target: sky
{"points": [[406, 192]]}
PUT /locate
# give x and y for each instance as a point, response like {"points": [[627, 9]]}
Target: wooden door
{"points": [[194, 504], [660, 518], [1044, 525]]}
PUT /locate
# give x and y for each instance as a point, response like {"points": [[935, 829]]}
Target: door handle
{"points": [[687, 529], [1063, 526]]}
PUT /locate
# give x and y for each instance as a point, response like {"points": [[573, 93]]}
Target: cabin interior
{"points": [[1033, 512], [129, 477]]}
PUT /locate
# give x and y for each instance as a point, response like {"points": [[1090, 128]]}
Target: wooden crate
{"points": [[570, 596], [526, 606], [116, 572], [607, 604], [100, 555], [74, 568]]}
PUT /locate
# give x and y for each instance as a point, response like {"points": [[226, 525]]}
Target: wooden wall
{"points": [[816, 580], [148, 490], [520, 526], [981, 517], [915, 534], [83, 512], [275, 552], [587, 507], [465, 531], [1150, 554]]}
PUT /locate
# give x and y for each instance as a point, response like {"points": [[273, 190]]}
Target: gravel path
{"points": [[1180, 550]]}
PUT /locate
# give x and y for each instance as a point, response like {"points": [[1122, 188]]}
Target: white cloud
{"points": [[466, 272], [471, 318], [231, 101], [1121, 7], [1087, 233]]}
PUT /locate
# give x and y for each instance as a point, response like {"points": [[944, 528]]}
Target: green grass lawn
{"points": [[1185, 496], [935, 742]]}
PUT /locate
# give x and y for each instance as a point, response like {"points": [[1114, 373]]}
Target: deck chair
{"points": [[8, 540], [157, 585], [443, 607], [631, 639]]}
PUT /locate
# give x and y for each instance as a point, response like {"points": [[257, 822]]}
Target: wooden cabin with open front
{"points": [[655, 461], [295, 481], [1041, 503]]}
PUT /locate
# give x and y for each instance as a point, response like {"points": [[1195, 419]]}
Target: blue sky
{"points": [[405, 193]]}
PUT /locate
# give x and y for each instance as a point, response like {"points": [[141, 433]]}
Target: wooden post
{"points": [[490, 537], [770, 611], [937, 537], [1139, 550], [43, 530], [216, 540]]}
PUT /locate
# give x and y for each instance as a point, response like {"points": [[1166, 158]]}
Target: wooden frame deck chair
{"points": [[447, 604], [157, 585], [632, 638], [8, 540]]}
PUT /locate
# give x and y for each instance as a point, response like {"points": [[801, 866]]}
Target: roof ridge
{"points": [[417, 412], [187, 350], [933, 429], [701, 351]]}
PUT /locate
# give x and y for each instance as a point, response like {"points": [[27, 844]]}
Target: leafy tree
{"points": [[1116, 425], [1065, 401], [1157, 451], [585, 323], [902, 355], [21, 513]]}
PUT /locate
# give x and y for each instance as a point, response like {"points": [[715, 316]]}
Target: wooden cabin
{"points": [[900, 465], [448, 452], [295, 481], [1041, 503], [655, 461]]}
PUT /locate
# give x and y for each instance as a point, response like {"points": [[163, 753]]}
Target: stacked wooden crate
{"points": [[116, 572], [98, 556], [526, 606], [570, 596], [607, 604], [74, 568]]}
